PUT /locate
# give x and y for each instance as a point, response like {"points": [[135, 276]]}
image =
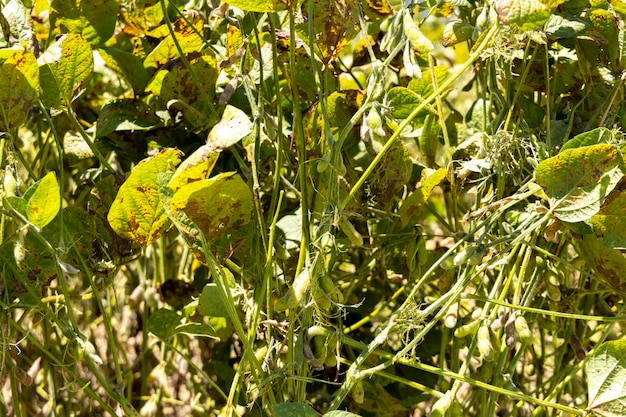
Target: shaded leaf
{"points": [[210, 302], [293, 410], [125, 114], [560, 27], [163, 322], [197, 329], [577, 180], [402, 101], [127, 66], [412, 204], [19, 85], [137, 212], [606, 379], [609, 263]]}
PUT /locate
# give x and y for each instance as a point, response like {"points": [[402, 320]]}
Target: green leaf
{"points": [[137, 212], [197, 329], [417, 198], [606, 379], [127, 66], [424, 86], [210, 302], [19, 85], [402, 101], [293, 410], [94, 20], [525, 14], [560, 27], [44, 201], [596, 136], [218, 206], [609, 224], [163, 322], [65, 66], [578, 180], [127, 114], [609, 263]]}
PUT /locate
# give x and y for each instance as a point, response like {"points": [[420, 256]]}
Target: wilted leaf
{"points": [[376, 10], [417, 198], [392, 173], [334, 25], [19, 85], [606, 379], [163, 322], [137, 212], [577, 180]]}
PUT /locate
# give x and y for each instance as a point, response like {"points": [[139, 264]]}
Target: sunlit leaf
{"points": [[606, 379], [417, 198], [178, 83], [187, 38], [234, 126], [376, 10], [197, 329], [65, 66], [19, 85], [339, 413], [455, 32], [137, 212], [196, 167], [44, 201], [577, 180], [609, 224], [259, 5], [525, 14], [218, 206], [18, 19], [560, 27], [596, 136]]}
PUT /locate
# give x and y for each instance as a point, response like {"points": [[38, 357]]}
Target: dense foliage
{"points": [[315, 208]]}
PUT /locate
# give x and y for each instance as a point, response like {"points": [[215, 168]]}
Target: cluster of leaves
{"points": [[314, 206]]}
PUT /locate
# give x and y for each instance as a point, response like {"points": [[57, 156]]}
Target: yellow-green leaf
{"points": [[196, 167], [609, 263], [578, 180], [259, 5], [525, 14], [44, 201], [218, 206], [137, 212], [19, 85], [609, 224], [417, 198], [187, 38]]}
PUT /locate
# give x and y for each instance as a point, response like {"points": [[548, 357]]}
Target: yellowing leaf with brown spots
{"points": [[137, 212], [578, 180], [19, 85], [221, 206]]}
